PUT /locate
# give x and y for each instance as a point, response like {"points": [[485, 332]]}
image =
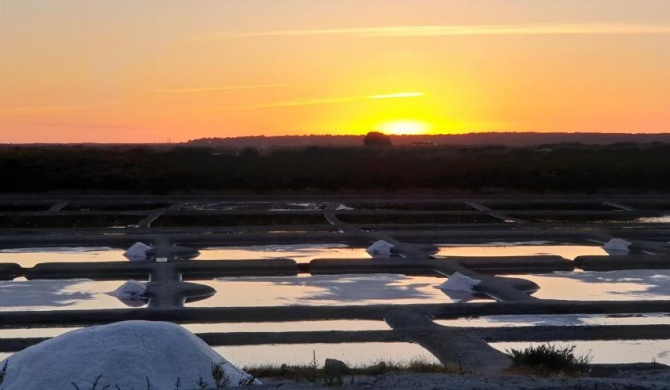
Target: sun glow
{"points": [[404, 127]]}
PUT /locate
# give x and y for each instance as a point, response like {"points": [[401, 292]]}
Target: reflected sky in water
{"points": [[29, 257], [300, 253], [324, 290], [75, 294], [287, 326], [663, 219], [614, 285], [527, 248], [557, 320]]}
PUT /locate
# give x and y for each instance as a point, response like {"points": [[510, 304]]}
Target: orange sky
{"points": [[172, 70]]}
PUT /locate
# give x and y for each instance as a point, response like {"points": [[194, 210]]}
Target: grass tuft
{"points": [[314, 373], [548, 359]]}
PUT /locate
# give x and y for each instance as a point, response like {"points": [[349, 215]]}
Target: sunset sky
{"points": [[174, 70]]}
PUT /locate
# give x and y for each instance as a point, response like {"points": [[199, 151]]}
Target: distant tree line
{"points": [[472, 139], [573, 168]]}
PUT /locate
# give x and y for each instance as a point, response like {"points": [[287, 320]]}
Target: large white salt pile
{"points": [[130, 354]]}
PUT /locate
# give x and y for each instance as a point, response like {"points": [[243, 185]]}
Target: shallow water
{"points": [[663, 219], [256, 206], [351, 289], [557, 320], [29, 257], [299, 252], [524, 248], [622, 285], [73, 294], [324, 290]]}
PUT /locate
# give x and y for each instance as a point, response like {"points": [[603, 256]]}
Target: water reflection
{"points": [[29, 257], [290, 326], [79, 294], [300, 252], [557, 320], [614, 285], [663, 219], [324, 290], [249, 206], [525, 248]]}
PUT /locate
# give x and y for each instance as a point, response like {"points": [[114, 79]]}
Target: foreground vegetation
{"points": [[334, 375], [548, 359], [571, 168]]}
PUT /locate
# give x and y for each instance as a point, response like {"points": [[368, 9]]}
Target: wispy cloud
{"points": [[456, 30], [61, 109], [216, 89], [98, 126], [318, 101], [173, 93]]}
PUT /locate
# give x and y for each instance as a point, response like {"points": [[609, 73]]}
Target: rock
{"points": [[130, 354]]}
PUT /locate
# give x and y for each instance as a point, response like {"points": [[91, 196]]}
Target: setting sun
{"points": [[404, 127]]}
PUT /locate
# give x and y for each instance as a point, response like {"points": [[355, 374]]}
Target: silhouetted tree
{"points": [[375, 138]]}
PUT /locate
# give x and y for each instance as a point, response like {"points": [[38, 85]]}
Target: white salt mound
{"points": [[380, 250], [137, 252], [125, 354], [617, 246], [131, 289], [459, 282], [131, 293]]}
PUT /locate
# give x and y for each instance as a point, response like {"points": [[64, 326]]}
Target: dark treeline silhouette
{"points": [[572, 168], [473, 139]]}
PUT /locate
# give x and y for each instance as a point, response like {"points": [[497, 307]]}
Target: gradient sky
{"points": [[173, 70]]}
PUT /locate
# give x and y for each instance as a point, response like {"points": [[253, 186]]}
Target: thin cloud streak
{"points": [[45, 110], [464, 30], [217, 89], [319, 101], [98, 126], [60, 109]]}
